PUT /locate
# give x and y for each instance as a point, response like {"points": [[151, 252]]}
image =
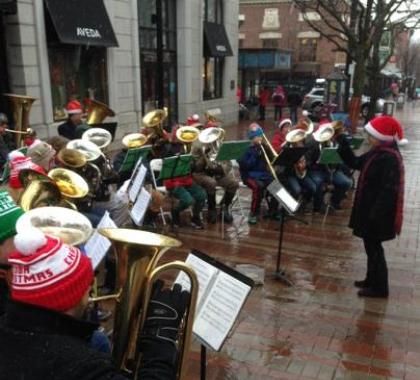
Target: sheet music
{"points": [[220, 310], [291, 203], [137, 183], [97, 246], [205, 273], [140, 207]]}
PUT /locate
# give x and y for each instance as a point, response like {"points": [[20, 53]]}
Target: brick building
{"points": [[57, 50], [278, 28]]}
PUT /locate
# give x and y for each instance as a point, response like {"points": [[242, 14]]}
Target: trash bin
{"points": [[400, 101], [389, 107]]}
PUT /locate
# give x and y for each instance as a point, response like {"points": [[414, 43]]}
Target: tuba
{"points": [[99, 136], [187, 135], [21, 105], [154, 120], [98, 112], [137, 255], [134, 140]]}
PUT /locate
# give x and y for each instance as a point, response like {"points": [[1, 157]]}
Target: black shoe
{"points": [[212, 216], [227, 216], [372, 293], [361, 284], [321, 209], [196, 223]]}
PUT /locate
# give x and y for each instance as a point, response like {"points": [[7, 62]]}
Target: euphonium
{"points": [[137, 255], [98, 112], [99, 136], [134, 140], [21, 106]]}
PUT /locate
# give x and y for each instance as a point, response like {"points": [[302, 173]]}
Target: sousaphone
{"points": [[98, 112], [99, 136]]}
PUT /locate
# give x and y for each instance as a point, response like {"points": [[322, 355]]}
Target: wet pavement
{"points": [[319, 328]]}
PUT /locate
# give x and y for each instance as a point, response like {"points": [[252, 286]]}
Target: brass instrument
{"points": [[71, 158], [29, 131], [187, 135], [21, 105], [71, 184], [296, 136], [268, 161], [134, 140], [154, 120], [99, 136], [98, 112], [212, 138], [324, 133], [212, 117], [70, 226], [137, 255], [88, 148]]}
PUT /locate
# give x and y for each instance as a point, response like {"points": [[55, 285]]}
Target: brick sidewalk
{"points": [[320, 329]]}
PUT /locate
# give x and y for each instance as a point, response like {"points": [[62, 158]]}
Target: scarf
{"points": [[399, 187]]}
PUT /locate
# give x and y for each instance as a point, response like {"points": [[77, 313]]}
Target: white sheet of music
{"points": [[140, 207], [137, 183], [291, 203], [97, 246], [205, 273], [220, 309]]}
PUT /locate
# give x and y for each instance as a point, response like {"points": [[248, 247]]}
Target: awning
{"points": [[8, 6], [216, 41], [82, 22]]}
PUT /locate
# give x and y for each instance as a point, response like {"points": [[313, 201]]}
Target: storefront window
{"points": [[76, 72], [307, 49], [270, 43], [213, 66]]}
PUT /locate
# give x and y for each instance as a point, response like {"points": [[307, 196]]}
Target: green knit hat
{"points": [[9, 214]]}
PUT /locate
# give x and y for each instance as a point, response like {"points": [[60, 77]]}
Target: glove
{"points": [[164, 314]]}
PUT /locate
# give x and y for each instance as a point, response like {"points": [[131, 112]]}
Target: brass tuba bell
{"points": [[134, 140], [71, 184], [21, 105], [98, 112], [99, 136], [187, 135], [154, 120]]}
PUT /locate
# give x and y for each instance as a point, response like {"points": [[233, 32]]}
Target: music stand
{"points": [[232, 150], [291, 205], [132, 156], [289, 156]]}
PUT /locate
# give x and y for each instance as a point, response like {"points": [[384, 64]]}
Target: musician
{"points": [[323, 175], [42, 154], [184, 189], [255, 175], [209, 174], [377, 212], [74, 127], [6, 141], [279, 138], [44, 332], [9, 214]]}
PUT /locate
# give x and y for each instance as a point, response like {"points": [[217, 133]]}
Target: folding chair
{"points": [[237, 199], [156, 166]]}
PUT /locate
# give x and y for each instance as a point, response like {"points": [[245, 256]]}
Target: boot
{"points": [[212, 213]]}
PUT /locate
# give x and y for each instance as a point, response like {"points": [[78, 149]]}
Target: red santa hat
{"points": [[283, 123], [385, 128], [193, 119], [74, 107], [48, 273]]}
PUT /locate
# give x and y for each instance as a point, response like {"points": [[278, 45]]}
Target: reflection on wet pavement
{"points": [[319, 328]]}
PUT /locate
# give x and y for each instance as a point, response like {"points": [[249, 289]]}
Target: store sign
{"points": [[87, 32]]}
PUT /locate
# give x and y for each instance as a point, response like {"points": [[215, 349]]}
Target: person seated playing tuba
{"points": [[74, 127], [49, 293], [208, 174], [255, 174]]}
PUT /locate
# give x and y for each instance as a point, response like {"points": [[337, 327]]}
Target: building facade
{"points": [[277, 25], [133, 55]]}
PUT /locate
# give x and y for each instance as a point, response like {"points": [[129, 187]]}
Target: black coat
{"points": [[373, 215], [41, 344]]}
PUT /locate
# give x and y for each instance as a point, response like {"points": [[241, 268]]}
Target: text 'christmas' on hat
{"points": [[17, 165], [255, 130], [385, 128], [9, 214], [48, 273], [74, 107], [283, 123]]}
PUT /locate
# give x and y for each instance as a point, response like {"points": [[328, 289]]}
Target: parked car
{"points": [[314, 100]]}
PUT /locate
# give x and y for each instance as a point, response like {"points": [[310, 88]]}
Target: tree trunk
{"points": [[358, 84]]}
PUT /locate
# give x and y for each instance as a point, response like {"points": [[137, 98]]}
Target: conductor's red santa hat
{"points": [[386, 128], [74, 107]]}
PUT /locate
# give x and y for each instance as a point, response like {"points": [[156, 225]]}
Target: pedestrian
{"points": [[279, 100], [44, 333], [264, 96], [377, 212], [294, 101]]}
